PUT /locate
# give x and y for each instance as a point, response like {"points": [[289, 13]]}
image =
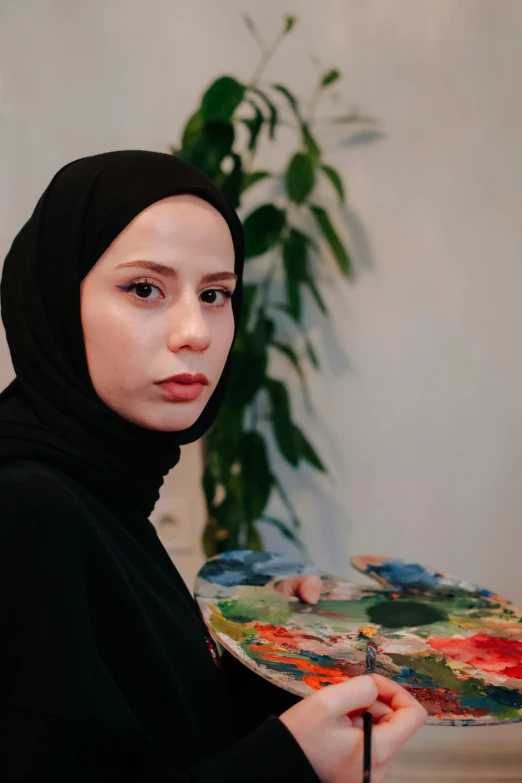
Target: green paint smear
{"points": [[506, 713], [470, 611], [445, 630], [252, 603], [229, 628], [353, 610], [439, 672], [402, 613], [443, 677]]}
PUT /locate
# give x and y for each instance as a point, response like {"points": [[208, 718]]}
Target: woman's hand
{"points": [[306, 588], [328, 726]]}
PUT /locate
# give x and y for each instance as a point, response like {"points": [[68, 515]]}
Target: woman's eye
{"points": [[216, 296], [141, 289]]}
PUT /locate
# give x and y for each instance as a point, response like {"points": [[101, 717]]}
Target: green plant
{"points": [[222, 138]]}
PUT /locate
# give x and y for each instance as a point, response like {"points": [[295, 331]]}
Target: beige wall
{"points": [[421, 395]]}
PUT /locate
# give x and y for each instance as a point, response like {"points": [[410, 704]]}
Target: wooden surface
{"points": [[470, 763]]}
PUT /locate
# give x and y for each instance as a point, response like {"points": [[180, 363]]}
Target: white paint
{"points": [[423, 416]]}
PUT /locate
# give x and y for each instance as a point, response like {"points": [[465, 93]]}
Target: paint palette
{"points": [[453, 645]]}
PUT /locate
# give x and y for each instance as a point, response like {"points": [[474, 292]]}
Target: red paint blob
{"points": [[491, 654]]}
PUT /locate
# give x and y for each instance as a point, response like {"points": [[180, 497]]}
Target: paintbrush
{"points": [[371, 656]]}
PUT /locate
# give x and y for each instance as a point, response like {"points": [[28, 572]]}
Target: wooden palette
{"points": [[455, 646]]}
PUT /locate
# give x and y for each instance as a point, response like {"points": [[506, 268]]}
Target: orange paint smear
{"points": [[277, 635], [318, 675]]}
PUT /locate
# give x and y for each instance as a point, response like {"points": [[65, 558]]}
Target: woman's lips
{"points": [[182, 392], [184, 387]]}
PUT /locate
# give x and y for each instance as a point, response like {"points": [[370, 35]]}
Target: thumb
{"points": [[354, 694]]}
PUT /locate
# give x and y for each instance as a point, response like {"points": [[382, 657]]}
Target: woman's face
{"points": [[142, 324]]}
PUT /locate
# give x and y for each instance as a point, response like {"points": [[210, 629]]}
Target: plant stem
{"points": [[314, 100], [267, 55], [254, 32]]}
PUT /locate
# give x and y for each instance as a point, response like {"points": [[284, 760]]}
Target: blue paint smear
{"points": [[254, 568], [505, 696], [318, 658], [402, 574], [284, 668]]}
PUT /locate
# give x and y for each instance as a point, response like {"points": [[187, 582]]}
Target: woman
{"points": [[129, 273]]}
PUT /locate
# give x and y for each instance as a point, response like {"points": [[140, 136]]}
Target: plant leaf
{"points": [[310, 350], [295, 254], [251, 177], [330, 77], [299, 178], [290, 23], [248, 364], [281, 420], [254, 124], [309, 142], [209, 147], [193, 129], [262, 229], [253, 539], [331, 236], [247, 374], [314, 153], [290, 354], [290, 98], [310, 282], [335, 178], [231, 186], [222, 99], [262, 333], [272, 110], [255, 474], [293, 294], [306, 450], [295, 264]]}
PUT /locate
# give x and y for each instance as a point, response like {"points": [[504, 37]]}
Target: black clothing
{"points": [[105, 670]]}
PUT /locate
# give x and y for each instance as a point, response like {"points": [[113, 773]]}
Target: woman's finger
{"points": [[392, 693], [379, 710], [347, 697], [393, 731], [406, 716], [309, 588]]}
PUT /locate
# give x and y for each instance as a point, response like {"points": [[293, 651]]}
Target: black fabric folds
{"points": [[51, 412]]}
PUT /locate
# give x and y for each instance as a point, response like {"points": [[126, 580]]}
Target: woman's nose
{"points": [[189, 328]]}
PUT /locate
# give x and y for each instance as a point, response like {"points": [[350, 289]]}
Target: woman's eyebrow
{"points": [[169, 271]]}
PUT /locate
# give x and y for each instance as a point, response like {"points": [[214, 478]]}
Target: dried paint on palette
{"points": [[455, 646]]}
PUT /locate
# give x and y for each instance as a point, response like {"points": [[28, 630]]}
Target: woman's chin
{"points": [[178, 417]]}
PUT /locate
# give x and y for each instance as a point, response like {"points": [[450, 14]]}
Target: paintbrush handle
{"points": [[367, 752], [371, 656]]}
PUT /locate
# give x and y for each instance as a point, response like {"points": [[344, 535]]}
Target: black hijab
{"points": [[50, 412]]}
